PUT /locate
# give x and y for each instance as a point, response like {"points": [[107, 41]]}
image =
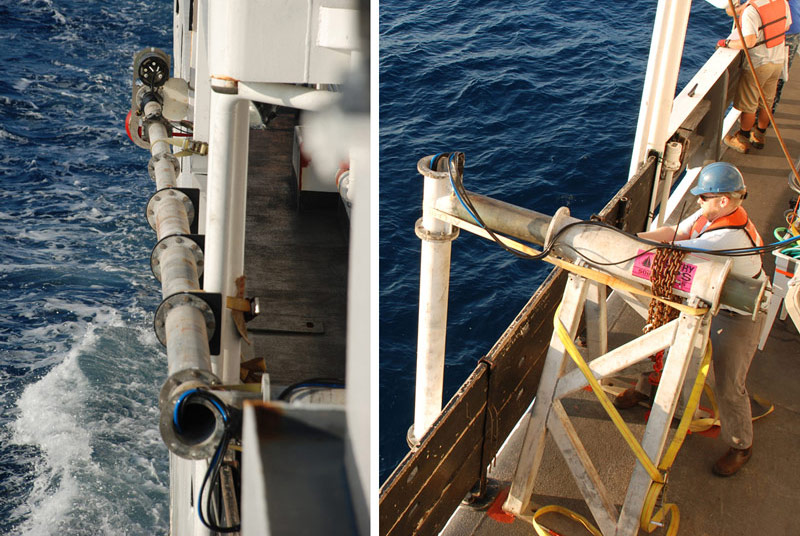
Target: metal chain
{"points": [[666, 266]]}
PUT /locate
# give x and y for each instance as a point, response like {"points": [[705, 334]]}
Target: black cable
{"points": [[457, 180], [211, 478], [600, 263], [335, 383]]}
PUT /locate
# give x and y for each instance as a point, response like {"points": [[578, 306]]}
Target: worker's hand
{"points": [[722, 43]]}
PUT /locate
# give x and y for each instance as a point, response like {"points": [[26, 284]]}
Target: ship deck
{"points": [[762, 496], [296, 263]]}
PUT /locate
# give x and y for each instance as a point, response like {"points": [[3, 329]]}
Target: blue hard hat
{"points": [[717, 178]]}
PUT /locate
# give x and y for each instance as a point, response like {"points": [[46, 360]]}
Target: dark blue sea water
{"points": [[542, 97], [80, 369]]}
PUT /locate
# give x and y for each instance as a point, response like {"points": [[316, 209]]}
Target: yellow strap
{"points": [[618, 284], [238, 304], [588, 273], [706, 423], [188, 146], [694, 400], [627, 435], [764, 402], [544, 531], [648, 519]]}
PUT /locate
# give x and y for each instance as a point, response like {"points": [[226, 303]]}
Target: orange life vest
{"points": [[735, 220], [773, 21]]}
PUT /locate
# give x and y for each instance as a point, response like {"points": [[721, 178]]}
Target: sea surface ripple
{"points": [[80, 370], [542, 97]]}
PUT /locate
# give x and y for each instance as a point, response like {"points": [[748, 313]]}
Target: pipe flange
{"points": [[557, 222], [411, 440], [716, 286], [151, 165], [430, 236], [177, 300], [178, 240], [672, 158], [150, 211], [424, 167], [197, 447], [189, 377]]}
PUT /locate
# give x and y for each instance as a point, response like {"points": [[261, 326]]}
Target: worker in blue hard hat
{"points": [[721, 223]]}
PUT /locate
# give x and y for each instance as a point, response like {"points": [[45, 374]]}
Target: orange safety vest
{"points": [[735, 220], [773, 17]]}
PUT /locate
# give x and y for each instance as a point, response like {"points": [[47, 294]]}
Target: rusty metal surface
{"points": [[414, 495], [516, 362], [636, 192]]}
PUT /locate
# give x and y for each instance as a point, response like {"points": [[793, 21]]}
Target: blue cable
{"points": [[434, 158], [213, 466], [183, 397], [767, 247], [177, 408], [458, 195]]}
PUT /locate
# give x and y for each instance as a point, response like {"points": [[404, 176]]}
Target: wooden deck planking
{"points": [[296, 262]]}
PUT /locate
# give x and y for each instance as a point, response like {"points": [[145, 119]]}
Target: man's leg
{"points": [[734, 340]]}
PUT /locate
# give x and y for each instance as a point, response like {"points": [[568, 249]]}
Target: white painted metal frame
{"points": [[663, 65], [683, 336], [220, 115], [681, 108], [434, 287], [785, 271]]}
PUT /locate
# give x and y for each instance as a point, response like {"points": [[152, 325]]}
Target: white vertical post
{"points": [[227, 183], [663, 64], [434, 287], [360, 395]]}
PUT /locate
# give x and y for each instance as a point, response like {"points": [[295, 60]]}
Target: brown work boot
{"points": [[757, 138], [629, 398], [732, 461], [738, 143]]}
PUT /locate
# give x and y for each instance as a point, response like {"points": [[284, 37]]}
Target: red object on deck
{"points": [[496, 511]]}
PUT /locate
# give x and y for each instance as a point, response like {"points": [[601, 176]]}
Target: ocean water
{"points": [[80, 368], [542, 97]]}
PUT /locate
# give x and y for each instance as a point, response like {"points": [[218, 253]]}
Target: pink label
{"points": [[644, 262]]}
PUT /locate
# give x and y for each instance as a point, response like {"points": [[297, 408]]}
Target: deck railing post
{"points": [[225, 214], [666, 51], [434, 287]]}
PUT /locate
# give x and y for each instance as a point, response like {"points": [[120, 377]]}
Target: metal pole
{"points": [[225, 218], [663, 64], [186, 325], [672, 163], [436, 237], [187, 342], [289, 95], [605, 245], [236, 238]]}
